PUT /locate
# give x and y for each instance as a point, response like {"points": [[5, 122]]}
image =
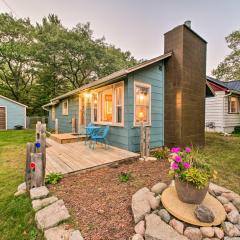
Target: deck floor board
{"points": [[72, 157]]}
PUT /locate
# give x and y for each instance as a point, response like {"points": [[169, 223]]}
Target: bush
{"points": [[53, 178], [161, 154], [237, 130]]}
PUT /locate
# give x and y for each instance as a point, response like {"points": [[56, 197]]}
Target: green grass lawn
{"points": [[223, 154], [16, 215]]}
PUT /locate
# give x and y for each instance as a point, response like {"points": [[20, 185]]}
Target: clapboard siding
{"points": [[153, 76], [15, 113], [230, 119], [214, 111]]}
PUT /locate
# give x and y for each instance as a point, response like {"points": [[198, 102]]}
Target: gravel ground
{"points": [[101, 205]]}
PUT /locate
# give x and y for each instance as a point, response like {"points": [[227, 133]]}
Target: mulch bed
{"points": [[101, 205]]}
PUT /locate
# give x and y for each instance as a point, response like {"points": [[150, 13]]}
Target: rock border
{"points": [[50, 214], [154, 222]]}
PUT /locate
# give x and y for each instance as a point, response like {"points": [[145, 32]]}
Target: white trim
{"points": [[64, 113], [6, 119], [98, 91], [8, 99], [25, 122], [146, 85]]}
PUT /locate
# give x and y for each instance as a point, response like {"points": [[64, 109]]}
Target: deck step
{"points": [[63, 138]]}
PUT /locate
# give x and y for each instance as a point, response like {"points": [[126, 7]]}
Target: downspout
{"points": [[229, 94]]}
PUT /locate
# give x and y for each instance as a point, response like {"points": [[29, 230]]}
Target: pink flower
{"points": [[178, 159], [175, 150], [174, 165], [186, 165], [188, 149]]}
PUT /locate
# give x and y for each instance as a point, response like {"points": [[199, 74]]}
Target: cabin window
{"points": [[53, 113], [233, 104], [65, 107], [142, 104], [108, 105], [119, 104], [95, 107]]}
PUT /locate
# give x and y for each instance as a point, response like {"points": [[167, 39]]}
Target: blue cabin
{"points": [[12, 113], [154, 93]]}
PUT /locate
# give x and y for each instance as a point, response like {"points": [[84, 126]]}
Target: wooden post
{"points": [[73, 125], [147, 141], [142, 140], [56, 126], [43, 150], [36, 176], [38, 130], [30, 149]]}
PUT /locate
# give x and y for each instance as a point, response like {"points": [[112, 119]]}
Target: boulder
{"points": [[140, 204], [207, 232], [159, 187], [218, 232], [140, 228], [236, 203], [60, 232], [193, 233], [177, 225], [51, 215], [22, 187], [222, 200], [230, 195], [156, 229], [39, 192], [229, 207], [154, 201], [204, 214], [233, 216], [230, 230], [164, 215], [41, 203], [217, 190], [137, 237]]}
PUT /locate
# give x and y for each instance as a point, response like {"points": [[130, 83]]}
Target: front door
{"points": [[2, 118], [82, 113]]}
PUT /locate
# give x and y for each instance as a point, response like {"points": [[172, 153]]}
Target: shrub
{"points": [[162, 154], [53, 178], [236, 130], [124, 177]]}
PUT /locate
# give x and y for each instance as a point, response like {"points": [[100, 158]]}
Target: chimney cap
{"points": [[188, 23]]}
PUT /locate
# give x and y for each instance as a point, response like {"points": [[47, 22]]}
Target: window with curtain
{"points": [[107, 106], [119, 104], [233, 104], [65, 107], [142, 103]]}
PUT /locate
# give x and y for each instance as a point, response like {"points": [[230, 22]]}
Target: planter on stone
{"points": [[189, 193]]}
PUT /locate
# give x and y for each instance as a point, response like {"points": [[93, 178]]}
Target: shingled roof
{"points": [[233, 85]]}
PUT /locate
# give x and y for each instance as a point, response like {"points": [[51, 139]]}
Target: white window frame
{"points": [[145, 85], [53, 113], [238, 105], [65, 113], [99, 107]]}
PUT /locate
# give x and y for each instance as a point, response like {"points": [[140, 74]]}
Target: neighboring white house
{"points": [[222, 112]]}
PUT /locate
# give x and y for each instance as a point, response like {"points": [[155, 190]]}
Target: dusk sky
{"points": [[139, 25]]}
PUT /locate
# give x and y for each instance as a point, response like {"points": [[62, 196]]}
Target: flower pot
{"points": [[189, 193]]}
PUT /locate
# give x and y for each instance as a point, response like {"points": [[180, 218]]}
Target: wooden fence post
{"points": [[43, 150], [56, 126], [30, 149], [142, 140], [147, 141], [36, 175]]}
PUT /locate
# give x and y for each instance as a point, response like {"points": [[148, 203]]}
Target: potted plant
{"points": [[191, 176]]}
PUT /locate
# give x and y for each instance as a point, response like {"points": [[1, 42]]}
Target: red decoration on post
{"points": [[32, 165]]}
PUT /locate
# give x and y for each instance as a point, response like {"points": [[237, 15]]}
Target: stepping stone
{"points": [[52, 215], [39, 192], [156, 229], [61, 233], [41, 203]]}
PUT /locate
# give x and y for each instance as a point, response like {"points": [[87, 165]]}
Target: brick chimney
{"points": [[185, 79]]}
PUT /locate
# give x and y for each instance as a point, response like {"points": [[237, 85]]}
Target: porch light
{"points": [[141, 115]]}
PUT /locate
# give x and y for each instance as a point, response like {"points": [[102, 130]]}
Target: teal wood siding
{"points": [[16, 114], [155, 77], [127, 137], [65, 121]]}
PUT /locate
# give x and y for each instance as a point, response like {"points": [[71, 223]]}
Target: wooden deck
{"points": [[73, 157], [67, 138]]}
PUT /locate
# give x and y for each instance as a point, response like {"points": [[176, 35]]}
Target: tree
{"points": [[229, 68], [17, 64]]}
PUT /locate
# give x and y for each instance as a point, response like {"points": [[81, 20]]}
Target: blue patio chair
{"points": [[100, 136], [88, 133]]}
